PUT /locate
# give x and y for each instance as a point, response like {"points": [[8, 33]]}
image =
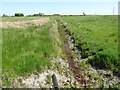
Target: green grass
{"points": [[0, 56], [25, 51], [96, 36]]}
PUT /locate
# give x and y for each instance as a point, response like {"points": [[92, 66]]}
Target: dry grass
{"points": [[24, 24]]}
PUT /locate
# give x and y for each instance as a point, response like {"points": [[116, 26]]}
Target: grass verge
{"points": [[96, 36], [26, 51]]}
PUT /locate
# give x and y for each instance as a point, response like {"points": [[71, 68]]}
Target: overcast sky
{"points": [[90, 7]]}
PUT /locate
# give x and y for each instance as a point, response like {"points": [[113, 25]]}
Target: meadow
{"points": [[29, 47], [97, 38], [26, 51]]}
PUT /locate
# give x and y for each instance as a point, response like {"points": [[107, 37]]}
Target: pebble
{"points": [[105, 75]]}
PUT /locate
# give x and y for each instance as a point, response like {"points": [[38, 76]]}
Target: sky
{"points": [[59, 0], [68, 7]]}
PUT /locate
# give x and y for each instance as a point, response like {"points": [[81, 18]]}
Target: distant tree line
{"points": [[4, 15], [56, 14], [39, 14], [21, 15]]}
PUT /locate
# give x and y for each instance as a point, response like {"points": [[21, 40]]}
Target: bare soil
{"points": [[24, 24]]}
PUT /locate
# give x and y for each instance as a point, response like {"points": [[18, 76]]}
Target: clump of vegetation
{"points": [[49, 79], [4, 15], [39, 14], [56, 14], [19, 14]]}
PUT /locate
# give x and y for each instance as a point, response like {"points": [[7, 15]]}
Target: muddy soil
{"points": [[77, 73]]}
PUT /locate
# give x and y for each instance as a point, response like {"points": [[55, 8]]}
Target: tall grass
{"points": [[26, 51], [96, 36]]}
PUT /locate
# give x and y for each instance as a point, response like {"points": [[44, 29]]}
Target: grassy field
{"points": [[14, 19], [30, 49], [26, 51], [96, 37]]}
